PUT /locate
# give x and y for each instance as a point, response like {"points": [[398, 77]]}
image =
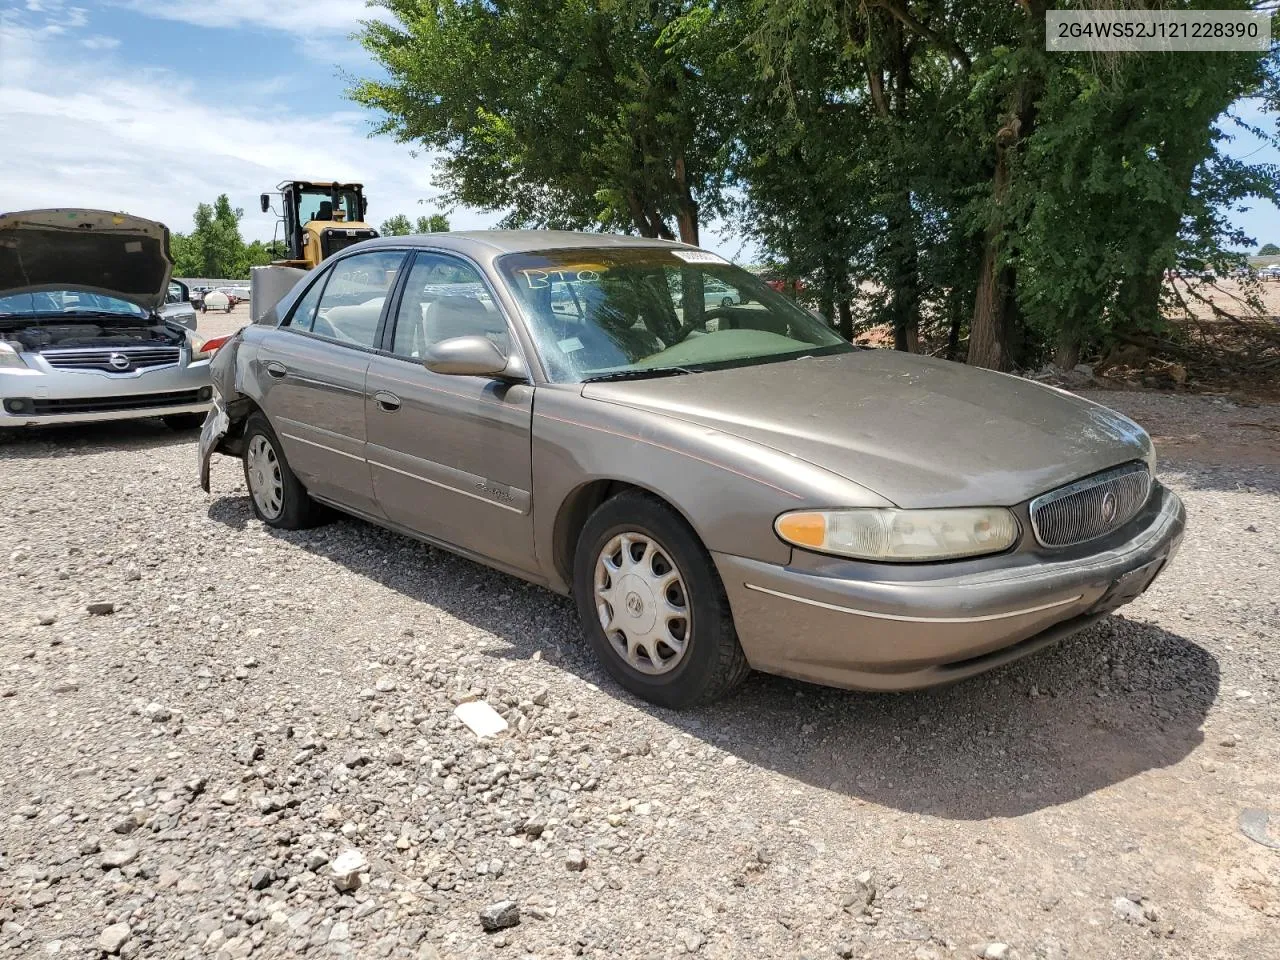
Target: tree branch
{"points": [[903, 16]]}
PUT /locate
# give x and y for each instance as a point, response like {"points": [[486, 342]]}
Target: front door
{"points": [[450, 455], [315, 366]]}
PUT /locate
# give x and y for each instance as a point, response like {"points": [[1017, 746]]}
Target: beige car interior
{"points": [[430, 318]]}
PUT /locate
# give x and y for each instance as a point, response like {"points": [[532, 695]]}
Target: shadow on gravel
{"points": [[1112, 702], [41, 443]]}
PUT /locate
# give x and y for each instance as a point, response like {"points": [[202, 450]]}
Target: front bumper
{"points": [[87, 396], [936, 626]]}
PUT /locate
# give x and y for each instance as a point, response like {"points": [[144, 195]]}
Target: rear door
{"points": [[314, 367], [450, 455]]}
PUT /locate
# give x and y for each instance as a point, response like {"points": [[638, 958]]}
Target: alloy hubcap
{"points": [[265, 481], [642, 603]]}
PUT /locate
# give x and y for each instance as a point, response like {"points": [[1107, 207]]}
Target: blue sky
{"points": [[151, 106]]}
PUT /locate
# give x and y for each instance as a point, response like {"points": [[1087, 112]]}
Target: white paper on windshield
{"points": [[698, 256], [571, 344]]}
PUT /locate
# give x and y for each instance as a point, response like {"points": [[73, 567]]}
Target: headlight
{"points": [[869, 533], [9, 358]]}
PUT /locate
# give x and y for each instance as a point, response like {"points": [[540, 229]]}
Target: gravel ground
{"points": [[181, 775]]}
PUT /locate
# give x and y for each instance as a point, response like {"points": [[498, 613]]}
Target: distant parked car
{"points": [[718, 294], [717, 492], [177, 305], [84, 329], [1270, 273]]}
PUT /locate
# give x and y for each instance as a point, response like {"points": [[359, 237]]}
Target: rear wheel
{"points": [[652, 605], [278, 498], [182, 422]]}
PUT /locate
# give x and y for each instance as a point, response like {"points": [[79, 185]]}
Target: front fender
{"points": [[728, 489]]}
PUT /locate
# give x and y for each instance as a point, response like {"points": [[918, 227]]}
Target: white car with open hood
{"points": [[83, 331]]}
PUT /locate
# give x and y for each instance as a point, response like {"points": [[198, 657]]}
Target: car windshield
{"points": [[69, 302], [605, 313]]}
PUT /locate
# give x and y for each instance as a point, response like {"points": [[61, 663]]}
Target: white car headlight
{"points": [[9, 358], [871, 533]]}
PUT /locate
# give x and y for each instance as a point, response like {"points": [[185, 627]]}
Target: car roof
{"points": [[489, 244]]}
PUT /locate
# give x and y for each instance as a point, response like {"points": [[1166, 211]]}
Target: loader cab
{"points": [[320, 219]]}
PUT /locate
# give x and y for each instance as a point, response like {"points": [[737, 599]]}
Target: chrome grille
{"points": [[1092, 507], [109, 360]]}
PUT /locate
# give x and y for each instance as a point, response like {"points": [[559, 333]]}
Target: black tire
{"points": [[726, 301], [182, 422], [713, 663], [297, 510]]}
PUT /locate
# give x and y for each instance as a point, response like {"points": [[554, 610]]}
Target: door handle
{"points": [[388, 402], [277, 370]]}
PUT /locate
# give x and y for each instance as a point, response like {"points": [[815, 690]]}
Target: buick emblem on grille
{"points": [[1109, 506], [119, 361]]}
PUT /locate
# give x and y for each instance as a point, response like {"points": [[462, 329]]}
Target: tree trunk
{"points": [[647, 220], [827, 297], [956, 321], [991, 331], [686, 206], [845, 312], [1138, 300], [1067, 354], [904, 265]]}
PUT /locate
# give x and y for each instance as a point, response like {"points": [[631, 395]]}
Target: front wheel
{"points": [[278, 498], [652, 605]]}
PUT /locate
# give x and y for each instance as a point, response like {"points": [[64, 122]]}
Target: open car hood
{"points": [[92, 250]]}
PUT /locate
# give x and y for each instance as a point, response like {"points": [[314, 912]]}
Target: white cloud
{"points": [[100, 133], [301, 17]]}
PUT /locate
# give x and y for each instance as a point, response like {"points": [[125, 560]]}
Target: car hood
{"points": [[91, 250], [919, 432]]}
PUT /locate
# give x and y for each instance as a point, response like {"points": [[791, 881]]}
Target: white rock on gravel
{"points": [[346, 869], [114, 937], [480, 718]]}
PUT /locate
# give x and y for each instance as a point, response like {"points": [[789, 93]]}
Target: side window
{"points": [[444, 298], [352, 300], [304, 311]]}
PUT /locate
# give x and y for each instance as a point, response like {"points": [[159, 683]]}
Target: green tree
{"points": [[600, 115], [260, 254], [1049, 191], [216, 248], [397, 226], [401, 226], [186, 262], [433, 223], [1269, 250]]}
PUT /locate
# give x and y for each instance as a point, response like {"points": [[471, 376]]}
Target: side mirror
{"points": [[364, 207], [184, 295], [265, 201], [466, 357]]}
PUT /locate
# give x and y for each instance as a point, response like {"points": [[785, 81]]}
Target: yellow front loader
{"points": [[320, 218]]}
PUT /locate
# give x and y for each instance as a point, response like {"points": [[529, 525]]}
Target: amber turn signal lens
{"points": [[803, 529]]}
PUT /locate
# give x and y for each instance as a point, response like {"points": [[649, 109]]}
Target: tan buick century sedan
{"points": [[720, 481]]}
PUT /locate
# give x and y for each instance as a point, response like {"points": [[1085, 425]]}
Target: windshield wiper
{"points": [[639, 373]]}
